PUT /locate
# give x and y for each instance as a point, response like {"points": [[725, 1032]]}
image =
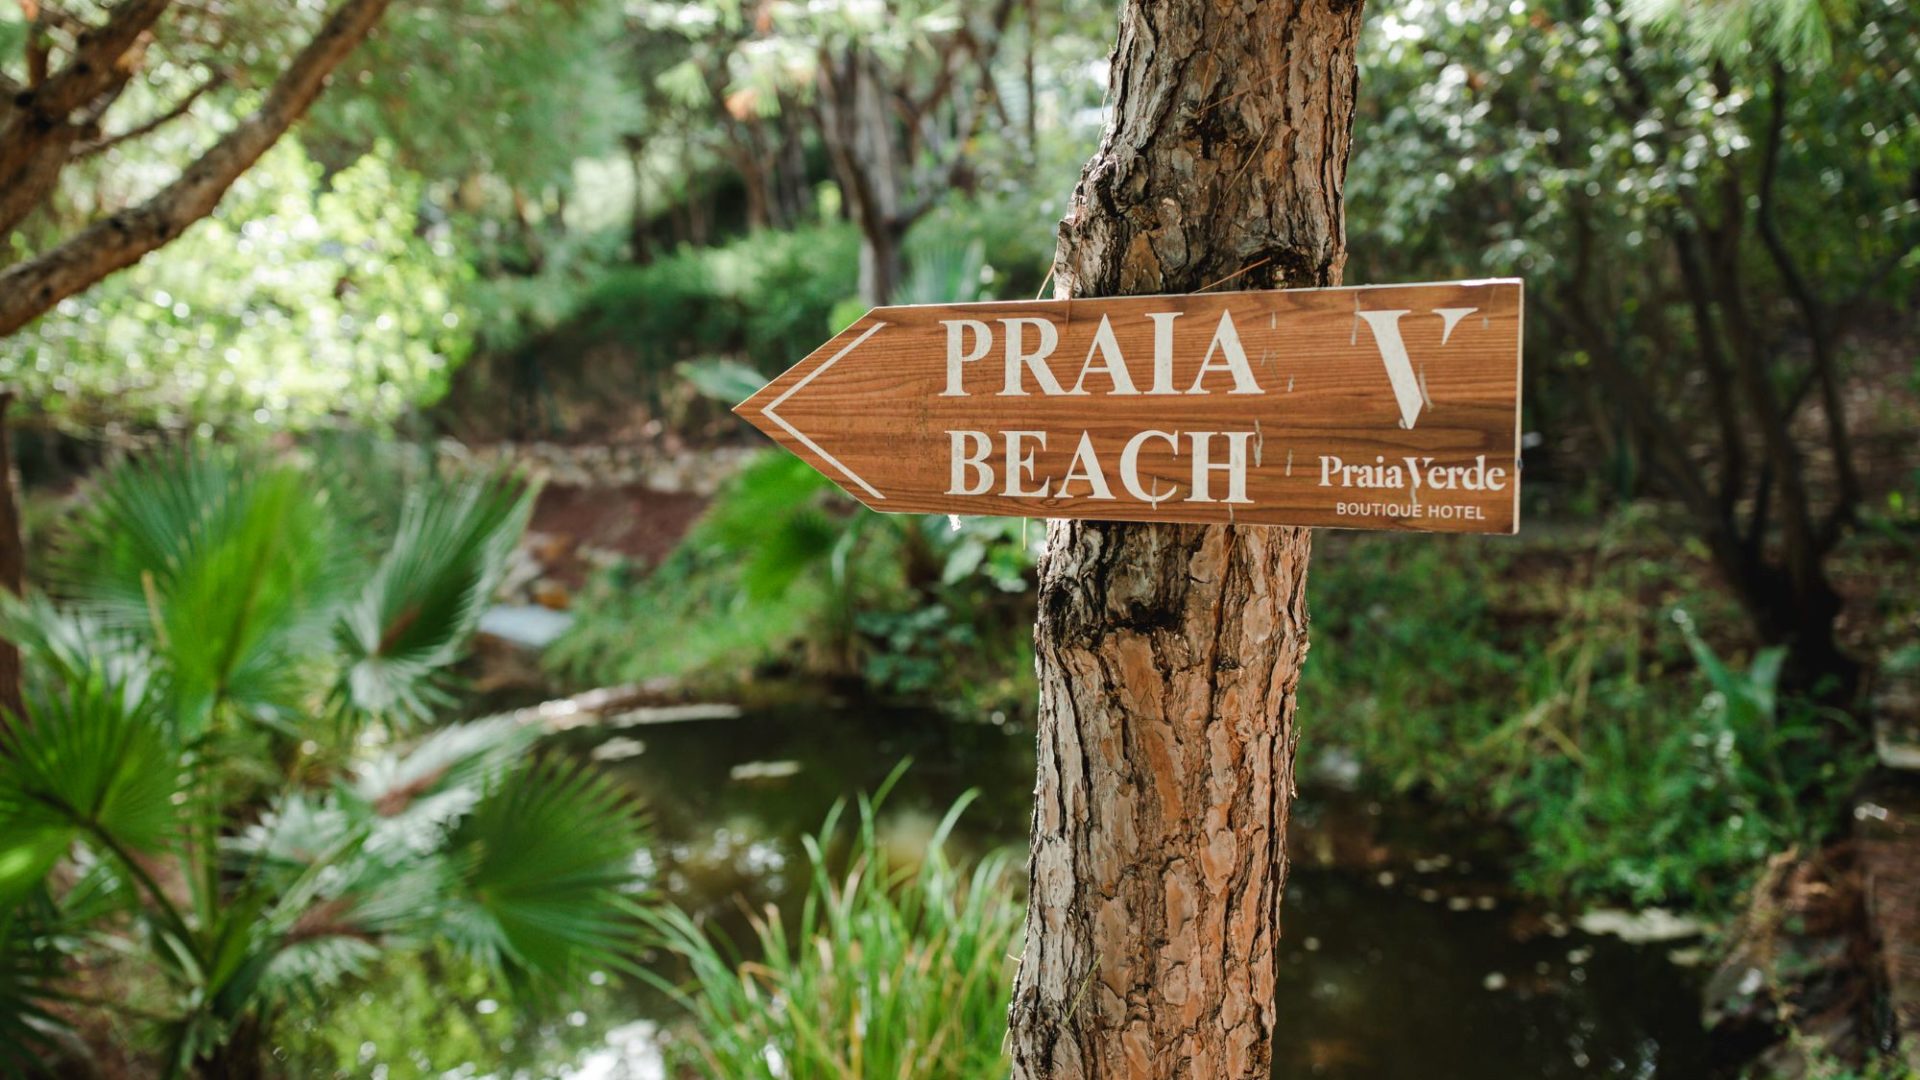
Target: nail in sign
{"points": [[1381, 407]]}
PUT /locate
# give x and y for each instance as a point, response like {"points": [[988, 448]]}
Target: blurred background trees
{"points": [[1709, 235], [570, 232]]}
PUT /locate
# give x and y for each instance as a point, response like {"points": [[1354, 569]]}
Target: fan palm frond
{"points": [[468, 755], [29, 968], [224, 566], [88, 762], [302, 971], [425, 599], [546, 864], [62, 646], [366, 866]]}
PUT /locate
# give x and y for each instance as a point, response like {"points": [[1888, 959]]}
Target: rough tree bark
{"points": [[1168, 655]]}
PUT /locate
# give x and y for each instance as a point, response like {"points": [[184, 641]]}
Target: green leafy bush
{"points": [[891, 969], [1666, 802], [765, 297], [786, 569], [1406, 670], [374, 1026], [1634, 763]]}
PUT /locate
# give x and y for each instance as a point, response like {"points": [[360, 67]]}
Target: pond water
{"points": [[1403, 955]]}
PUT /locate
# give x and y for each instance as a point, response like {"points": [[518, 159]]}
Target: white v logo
{"points": [[1393, 352]]}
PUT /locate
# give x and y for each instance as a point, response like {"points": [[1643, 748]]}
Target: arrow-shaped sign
{"points": [[1387, 407]]}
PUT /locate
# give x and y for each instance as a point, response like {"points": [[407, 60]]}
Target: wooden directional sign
{"points": [[1386, 407]]}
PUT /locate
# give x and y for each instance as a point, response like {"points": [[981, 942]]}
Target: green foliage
{"points": [[1635, 764], [765, 297], [221, 563], [783, 560], [1658, 808], [772, 563], [376, 1026], [415, 613], [188, 802], [30, 969], [1405, 670], [301, 298], [726, 381], [1790, 29], [786, 568], [542, 905], [1640, 190], [518, 90], [92, 765], [891, 969]]}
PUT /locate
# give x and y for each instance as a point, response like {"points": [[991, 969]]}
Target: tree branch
{"points": [[148, 127], [39, 132], [29, 288], [1820, 334], [96, 59], [1631, 390]]}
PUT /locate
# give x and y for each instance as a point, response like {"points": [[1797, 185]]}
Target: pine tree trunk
{"points": [[1169, 655]]}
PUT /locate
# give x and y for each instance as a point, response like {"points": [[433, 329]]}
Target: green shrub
{"points": [[375, 1026], [786, 569], [765, 297], [1670, 803], [1539, 685], [771, 567], [1407, 671], [890, 971]]}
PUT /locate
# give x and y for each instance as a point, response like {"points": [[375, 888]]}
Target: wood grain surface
{"points": [[1316, 397]]}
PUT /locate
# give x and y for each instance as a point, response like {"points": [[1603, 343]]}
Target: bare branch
{"points": [[148, 127], [29, 288]]}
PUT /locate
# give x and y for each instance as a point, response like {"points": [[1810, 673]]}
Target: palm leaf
{"points": [[29, 968], [60, 647], [365, 867], [222, 565], [415, 615], [89, 762], [546, 865], [470, 755]]}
